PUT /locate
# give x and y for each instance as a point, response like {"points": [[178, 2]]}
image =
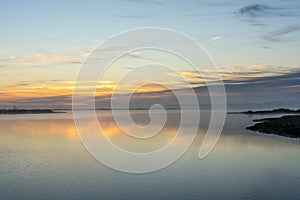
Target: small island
{"points": [[27, 111], [287, 126]]}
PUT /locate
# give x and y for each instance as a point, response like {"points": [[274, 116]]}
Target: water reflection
{"points": [[41, 157], [62, 127], [41, 126]]}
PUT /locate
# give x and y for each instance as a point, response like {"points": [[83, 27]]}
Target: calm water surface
{"points": [[41, 156]]}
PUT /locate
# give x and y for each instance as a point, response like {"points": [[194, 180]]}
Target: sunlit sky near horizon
{"points": [[43, 43]]}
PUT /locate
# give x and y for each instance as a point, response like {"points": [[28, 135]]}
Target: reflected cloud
{"points": [[61, 127], [45, 127]]}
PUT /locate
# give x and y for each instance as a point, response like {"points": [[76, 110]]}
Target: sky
{"points": [[254, 44]]}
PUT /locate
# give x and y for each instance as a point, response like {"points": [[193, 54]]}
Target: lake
{"points": [[42, 157]]}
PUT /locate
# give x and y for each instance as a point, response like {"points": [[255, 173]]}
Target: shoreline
{"points": [[27, 111], [265, 112], [284, 126]]}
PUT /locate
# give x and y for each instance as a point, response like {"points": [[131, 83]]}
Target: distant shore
{"points": [[264, 112], [28, 111]]}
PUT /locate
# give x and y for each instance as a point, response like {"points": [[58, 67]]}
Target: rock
{"points": [[288, 126]]}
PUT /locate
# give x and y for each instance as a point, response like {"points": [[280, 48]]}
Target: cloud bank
{"points": [[284, 87]]}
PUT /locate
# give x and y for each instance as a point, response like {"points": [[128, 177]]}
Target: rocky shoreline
{"points": [[287, 126]]}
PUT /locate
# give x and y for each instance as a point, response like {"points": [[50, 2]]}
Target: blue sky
{"points": [[56, 26], [38, 38]]}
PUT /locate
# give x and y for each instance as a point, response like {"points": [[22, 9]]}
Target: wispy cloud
{"points": [[158, 3], [277, 34], [47, 57], [3, 51], [38, 59], [214, 38], [50, 101], [233, 74], [132, 16], [138, 55]]}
